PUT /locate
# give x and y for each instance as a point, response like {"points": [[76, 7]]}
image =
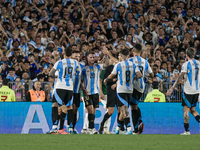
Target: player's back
{"points": [[143, 66], [67, 68], [126, 72], [192, 76]]}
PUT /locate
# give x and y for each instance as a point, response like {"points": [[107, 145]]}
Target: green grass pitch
{"points": [[98, 142]]}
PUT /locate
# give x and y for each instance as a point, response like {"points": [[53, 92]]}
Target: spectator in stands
{"points": [[19, 90], [36, 94], [11, 75]]}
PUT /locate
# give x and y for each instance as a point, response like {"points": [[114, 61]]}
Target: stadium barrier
{"points": [[21, 92], [35, 117]]}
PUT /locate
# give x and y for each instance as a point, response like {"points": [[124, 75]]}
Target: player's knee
{"points": [[111, 111], [90, 109]]}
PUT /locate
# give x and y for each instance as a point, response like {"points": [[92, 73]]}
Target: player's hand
{"points": [[85, 92], [102, 96], [105, 81], [113, 86], [169, 92]]}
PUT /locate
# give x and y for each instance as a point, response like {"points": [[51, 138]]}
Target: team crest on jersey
{"points": [[91, 70]]}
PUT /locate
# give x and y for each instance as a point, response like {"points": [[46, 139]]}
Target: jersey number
{"points": [[156, 99], [196, 73], [127, 75], [141, 69], [68, 70], [4, 98]]}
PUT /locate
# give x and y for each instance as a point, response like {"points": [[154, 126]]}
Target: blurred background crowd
{"points": [[33, 34]]}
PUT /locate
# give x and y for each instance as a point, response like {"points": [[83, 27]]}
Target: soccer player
{"points": [[126, 71], [190, 72], [139, 86], [63, 94], [76, 94], [90, 75], [111, 97]]}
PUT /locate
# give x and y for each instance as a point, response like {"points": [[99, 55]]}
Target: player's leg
{"points": [[186, 110], [69, 103], [195, 114], [95, 101], [111, 98], [62, 119], [106, 118], [55, 119], [136, 113], [90, 108], [86, 122], [65, 99], [76, 105], [192, 109], [124, 113]]}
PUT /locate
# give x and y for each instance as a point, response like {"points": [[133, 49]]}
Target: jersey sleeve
{"points": [[114, 71], [184, 67], [148, 68], [56, 65]]}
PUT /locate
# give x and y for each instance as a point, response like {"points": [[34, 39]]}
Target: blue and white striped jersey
{"points": [[77, 79], [67, 68], [143, 66], [126, 72], [24, 48], [42, 50], [90, 76], [192, 76]]}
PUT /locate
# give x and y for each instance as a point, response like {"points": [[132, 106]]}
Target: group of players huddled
{"points": [[125, 79]]}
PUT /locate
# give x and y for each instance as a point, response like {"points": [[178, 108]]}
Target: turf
{"points": [[98, 142]]}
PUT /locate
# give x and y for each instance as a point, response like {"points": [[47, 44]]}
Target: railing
{"points": [[21, 88]]}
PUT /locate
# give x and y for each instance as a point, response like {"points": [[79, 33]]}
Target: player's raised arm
{"points": [[52, 72], [106, 52]]}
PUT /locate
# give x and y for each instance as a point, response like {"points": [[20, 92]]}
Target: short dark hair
{"points": [[40, 76], [155, 85], [75, 52], [84, 43], [5, 81], [57, 21], [124, 52], [164, 53], [68, 51], [190, 52], [164, 62], [90, 52], [138, 48]]}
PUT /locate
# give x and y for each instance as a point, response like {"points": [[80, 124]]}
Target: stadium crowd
{"points": [[34, 33]]}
